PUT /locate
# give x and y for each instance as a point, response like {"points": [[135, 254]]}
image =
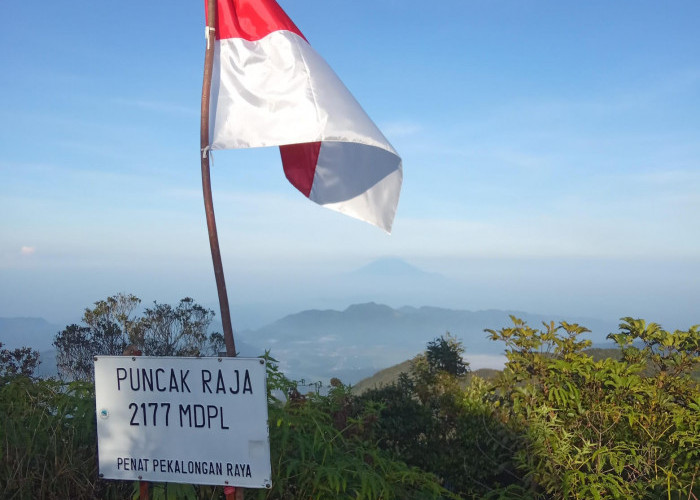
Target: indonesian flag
{"points": [[271, 88]]}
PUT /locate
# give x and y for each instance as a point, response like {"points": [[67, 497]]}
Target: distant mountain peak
{"points": [[369, 308], [390, 266], [366, 306]]}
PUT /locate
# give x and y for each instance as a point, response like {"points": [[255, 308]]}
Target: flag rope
{"points": [[208, 32]]}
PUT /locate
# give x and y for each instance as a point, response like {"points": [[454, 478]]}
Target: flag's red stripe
{"points": [[299, 162], [251, 19]]}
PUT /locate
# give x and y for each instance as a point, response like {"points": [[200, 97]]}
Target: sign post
{"points": [[183, 420]]}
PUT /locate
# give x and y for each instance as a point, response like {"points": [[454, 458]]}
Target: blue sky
{"points": [[551, 156]]}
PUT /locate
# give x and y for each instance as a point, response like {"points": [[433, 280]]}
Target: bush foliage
{"points": [[557, 423], [48, 441]]}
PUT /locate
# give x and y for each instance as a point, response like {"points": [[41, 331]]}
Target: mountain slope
{"points": [[364, 338], [36, 333]]}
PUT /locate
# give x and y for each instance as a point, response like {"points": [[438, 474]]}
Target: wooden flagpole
{"points": [[206, 183], [237, 493]]}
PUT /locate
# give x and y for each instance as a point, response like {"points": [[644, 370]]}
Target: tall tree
{"points": [[176, 331], [112, 319], [20, 361], [446, 354], [109, 328], [112, 325], [75, 347]]}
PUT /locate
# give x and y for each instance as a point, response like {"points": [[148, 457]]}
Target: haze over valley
{"points": [[369, 318]]}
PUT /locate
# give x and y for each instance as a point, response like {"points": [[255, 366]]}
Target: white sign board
{"points": [[183, 420]]}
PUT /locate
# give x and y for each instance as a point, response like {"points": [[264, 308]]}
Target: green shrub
{"points": [[322, 448], [48, 441], [437, 421], [556, 424], [626, 428], [48, 446]]}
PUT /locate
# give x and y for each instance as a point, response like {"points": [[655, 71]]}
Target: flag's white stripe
{"points": [[357, 180], [278, 90]]}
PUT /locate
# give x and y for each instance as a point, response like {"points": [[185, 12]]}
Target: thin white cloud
{"points": [[401, 129], [27, 250]]}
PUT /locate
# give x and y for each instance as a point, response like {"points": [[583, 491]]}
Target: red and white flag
{"points": [[271, 88]]}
